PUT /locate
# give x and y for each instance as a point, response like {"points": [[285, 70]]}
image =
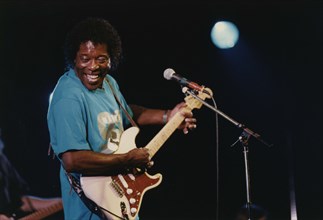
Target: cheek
{"points": [[80, 65]]}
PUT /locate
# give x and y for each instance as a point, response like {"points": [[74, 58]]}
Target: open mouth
{"points": [[92, 78]]}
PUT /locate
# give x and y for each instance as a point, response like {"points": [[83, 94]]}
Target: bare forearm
{"points": [[147, 116], [92, 163], [32, 203]]}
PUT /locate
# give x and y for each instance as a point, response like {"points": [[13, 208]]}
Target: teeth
{"points": [[92, 78]]}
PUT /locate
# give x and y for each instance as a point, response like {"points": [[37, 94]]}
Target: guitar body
{"points": [[121, 195]]}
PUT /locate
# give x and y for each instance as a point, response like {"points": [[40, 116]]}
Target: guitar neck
{"points": [[155, 144], [42, 213]]}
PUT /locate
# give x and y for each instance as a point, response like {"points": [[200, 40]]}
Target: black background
{"points": [[271, 81]]}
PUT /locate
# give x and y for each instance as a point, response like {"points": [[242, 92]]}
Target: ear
{"points": [[109, 63]]}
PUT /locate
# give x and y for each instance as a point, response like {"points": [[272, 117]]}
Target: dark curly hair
{"points": [[97, 30]]}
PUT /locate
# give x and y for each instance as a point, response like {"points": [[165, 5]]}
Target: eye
{"points": [[84, 59], [102, 60]]}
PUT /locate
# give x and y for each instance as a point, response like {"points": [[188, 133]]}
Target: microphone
{"points": [[170, 74]]}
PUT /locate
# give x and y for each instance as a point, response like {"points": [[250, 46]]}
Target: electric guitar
{"points": [[42, 213], [120, 196]]}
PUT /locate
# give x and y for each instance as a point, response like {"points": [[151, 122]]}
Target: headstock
{"points": [[193, 103]]}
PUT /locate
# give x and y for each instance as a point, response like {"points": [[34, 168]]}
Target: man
{"points": [[14, 199], [88, 114]]}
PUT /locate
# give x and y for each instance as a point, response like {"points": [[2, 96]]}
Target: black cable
{"points": [[217, 161]]}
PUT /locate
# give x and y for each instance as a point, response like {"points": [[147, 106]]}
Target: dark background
{"points": [[271, 82]]}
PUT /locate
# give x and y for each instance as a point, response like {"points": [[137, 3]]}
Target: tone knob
{"points": [[129, 191], [132, 200]]}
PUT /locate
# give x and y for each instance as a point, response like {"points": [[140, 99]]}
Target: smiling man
{"points": [[88, 114]]}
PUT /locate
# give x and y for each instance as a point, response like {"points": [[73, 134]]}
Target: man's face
{"points": [[92, 63]]}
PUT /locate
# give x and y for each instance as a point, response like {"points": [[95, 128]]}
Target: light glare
{"points": [[224, 34]]}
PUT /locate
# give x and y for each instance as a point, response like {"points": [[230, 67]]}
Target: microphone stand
{"points": [[243, 139]]}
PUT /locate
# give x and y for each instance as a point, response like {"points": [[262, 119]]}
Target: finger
{"points": [[192, 126], [185, 131], [190, 120], [150, 164], [187, 114], [180, 106]]}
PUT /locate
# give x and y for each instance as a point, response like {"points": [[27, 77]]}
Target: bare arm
{"points": [[147, 116], [34, 203], [93, 163], [4, 217]]}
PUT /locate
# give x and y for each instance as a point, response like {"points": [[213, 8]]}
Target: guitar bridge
{"points": [[116, 188]]}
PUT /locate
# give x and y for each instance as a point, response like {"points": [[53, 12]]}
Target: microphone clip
{"points": [[185, 90], [196, 92]]}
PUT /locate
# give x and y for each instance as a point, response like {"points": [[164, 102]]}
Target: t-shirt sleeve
{"points": [[70, 126]]}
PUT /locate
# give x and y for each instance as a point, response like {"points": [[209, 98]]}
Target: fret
{"points": [[155, 144], [45, 212]]}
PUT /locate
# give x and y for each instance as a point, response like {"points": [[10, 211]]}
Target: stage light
{"points": [[224, 34]]}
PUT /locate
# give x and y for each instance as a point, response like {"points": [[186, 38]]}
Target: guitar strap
{"points": [[133, 123]]}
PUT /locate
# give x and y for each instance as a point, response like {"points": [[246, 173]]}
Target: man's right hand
{"points": [[138, 157]]}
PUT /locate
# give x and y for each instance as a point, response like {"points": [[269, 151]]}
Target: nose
{"points": [[93, 65]]}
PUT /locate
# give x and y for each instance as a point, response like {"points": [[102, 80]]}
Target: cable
{"points": [[217, 160]]}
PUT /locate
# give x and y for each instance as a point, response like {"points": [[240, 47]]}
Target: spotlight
{"points": [[224, 34]]}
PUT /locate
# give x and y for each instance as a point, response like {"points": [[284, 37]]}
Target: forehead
{"points": [[90, 47]]}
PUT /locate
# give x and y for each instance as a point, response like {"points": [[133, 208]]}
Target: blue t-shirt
{"points": [[80, 119]]}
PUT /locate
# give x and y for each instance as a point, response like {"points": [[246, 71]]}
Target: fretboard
{"points": [[155, 144], [42, 213]]}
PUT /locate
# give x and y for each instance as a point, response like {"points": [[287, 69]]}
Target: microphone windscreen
{"points": [[168, 73]]}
